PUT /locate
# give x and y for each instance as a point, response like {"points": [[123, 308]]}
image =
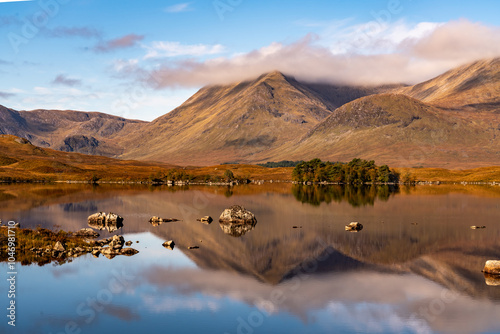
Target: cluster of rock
{"points": [[109, 247], [102, 221], [112, 247], [354, 227], [156, 221]]}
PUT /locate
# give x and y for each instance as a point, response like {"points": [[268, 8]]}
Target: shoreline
{"points": [[253, 182]]}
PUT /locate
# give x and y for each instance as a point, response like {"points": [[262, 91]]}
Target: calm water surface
{"points": [[414, 268]]}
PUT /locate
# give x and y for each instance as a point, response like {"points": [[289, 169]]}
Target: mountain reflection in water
{"points": [[415, 248]]}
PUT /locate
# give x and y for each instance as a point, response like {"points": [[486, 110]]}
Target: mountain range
{"points": [[451, 121]]}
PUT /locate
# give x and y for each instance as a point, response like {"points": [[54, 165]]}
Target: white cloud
{"points": [[15, 90], [372, 37], [178, 8], [397, 53], [175, 49], [120, 65], [42, 90], [381, 302]]}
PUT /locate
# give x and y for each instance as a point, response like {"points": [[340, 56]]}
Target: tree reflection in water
{"points": [[354, 195]]}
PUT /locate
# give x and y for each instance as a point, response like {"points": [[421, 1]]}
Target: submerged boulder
{"points": [[492, 280], [111, 253], [354, 227], [237, 229], [237, 214], [492, 267], [129, 251], [156, 221]]}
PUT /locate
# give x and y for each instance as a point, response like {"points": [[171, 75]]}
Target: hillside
{"points": [[239, 122], [472, 87], [21, 160], [69, 131], [401, 131], [451, 121]]}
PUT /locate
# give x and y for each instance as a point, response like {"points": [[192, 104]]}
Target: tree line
{"points": [[357, 171]]}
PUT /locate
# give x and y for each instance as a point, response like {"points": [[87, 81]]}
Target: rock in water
{"points": [[87, 233], [169, 244], [156, 221], [113, 218], [97, 218], [58, 247], [237, 215], [354, 227], [129, 251], [101, 221], [206, 220], [492, 267], [117, 242], [477, 227]]}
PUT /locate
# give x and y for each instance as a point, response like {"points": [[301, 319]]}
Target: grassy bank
{"points": [[22, 161], [483, 174], [28, 239]]}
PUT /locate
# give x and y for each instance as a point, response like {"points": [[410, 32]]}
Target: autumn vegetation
{"points": [[20, 161], [27, 239], [357, 171]]}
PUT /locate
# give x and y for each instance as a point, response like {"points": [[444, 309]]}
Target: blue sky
{"points": [[142, 59]]}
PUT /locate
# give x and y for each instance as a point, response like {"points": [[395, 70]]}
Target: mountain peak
{"points": [[274, 75]]}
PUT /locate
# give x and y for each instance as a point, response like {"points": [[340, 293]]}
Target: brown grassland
{"points": [[22, 161]]}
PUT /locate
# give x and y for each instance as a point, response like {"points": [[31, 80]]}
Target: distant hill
{"points": [[472, 87], [239, 122], [20, 160], [401, 131], [451, 121], [71, 131]]}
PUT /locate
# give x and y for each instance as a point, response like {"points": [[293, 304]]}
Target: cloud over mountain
{"points": [[425, 51]]}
